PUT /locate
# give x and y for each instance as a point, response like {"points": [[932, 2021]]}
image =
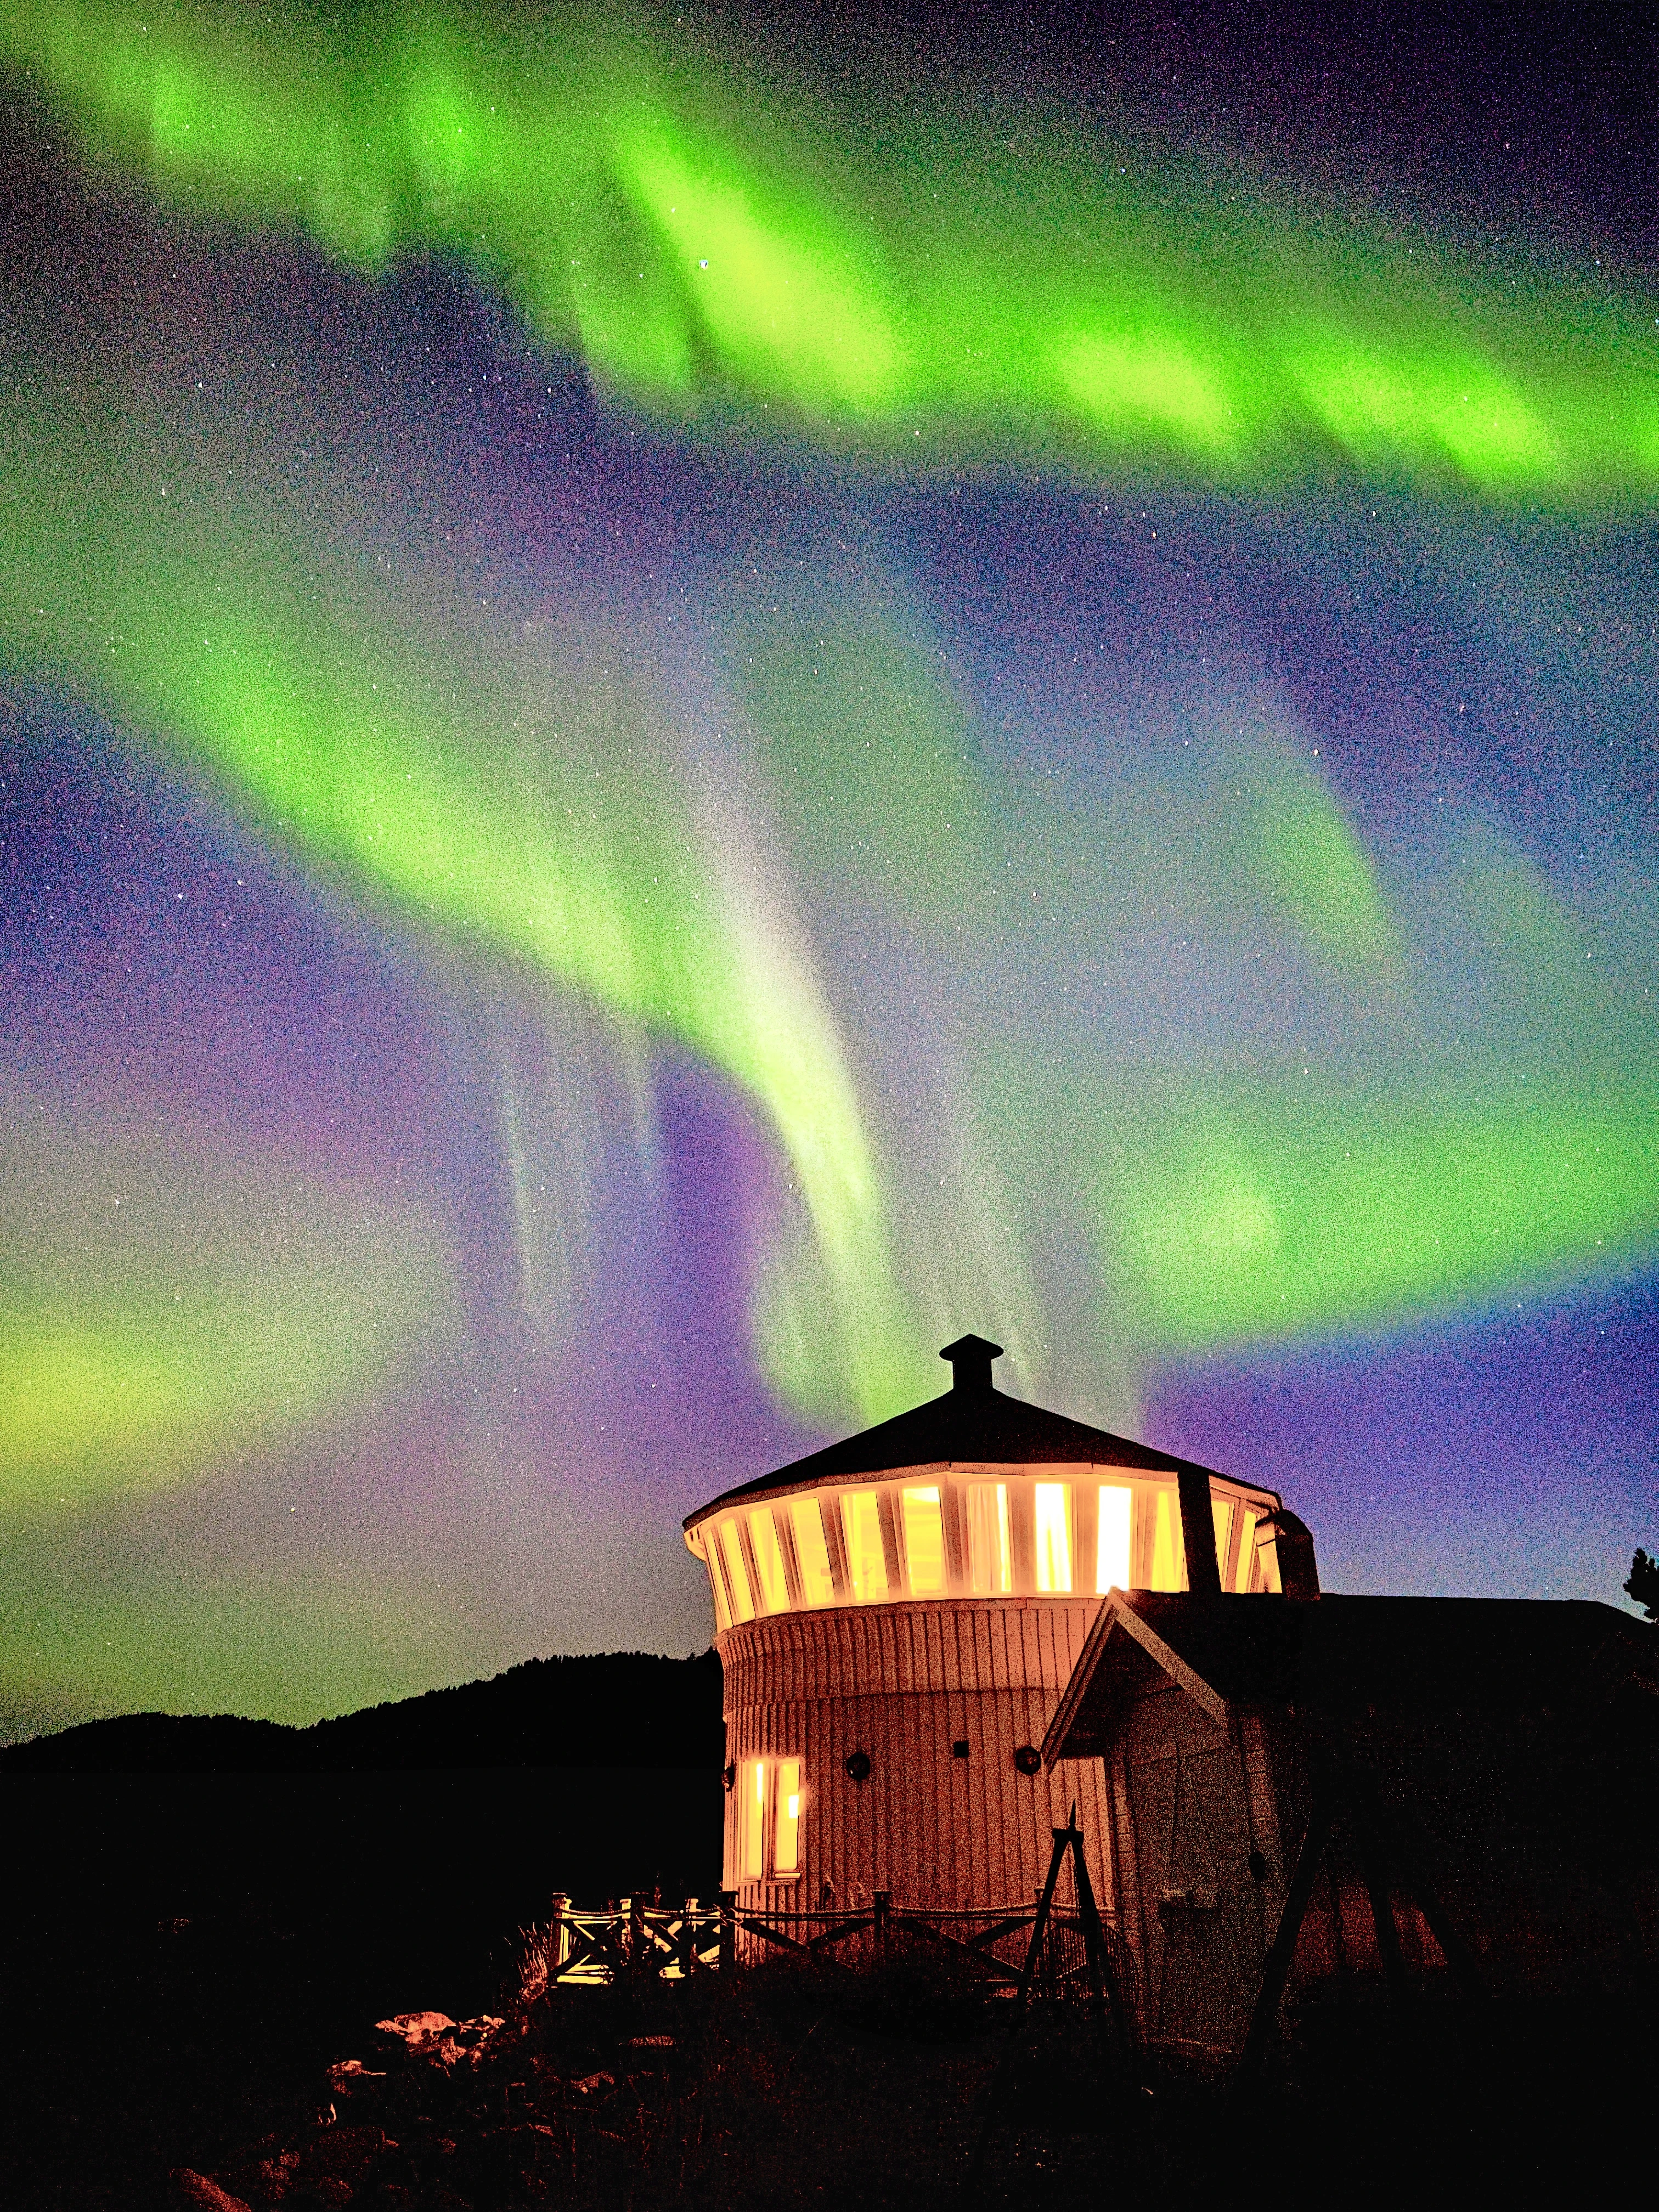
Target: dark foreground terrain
{"points": [[181, 1956], [193, 1964], [793, 2088], [235, 2060], [201, 1913]]}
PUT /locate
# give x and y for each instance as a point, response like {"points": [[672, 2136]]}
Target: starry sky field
{"points": [[691, 699]]}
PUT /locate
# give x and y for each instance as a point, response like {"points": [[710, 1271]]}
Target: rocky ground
{"points": [[181, 1957], [772, 2087], [900, 2087], [228, 2053]]}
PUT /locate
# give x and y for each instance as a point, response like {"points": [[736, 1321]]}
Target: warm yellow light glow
{"points": [[1246, 1549], [1112, 1548], [1053, 1536], [717, 1583], [785, 1856], [736, 1578], [1221, 1510], [924, 1542], [1268, 1554], [818, 1585], [769, 1560], [867, 1564], [1166, 1548], [753, 1814], [988, 1538]]}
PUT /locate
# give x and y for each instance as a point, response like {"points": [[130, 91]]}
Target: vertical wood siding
{"points": [[902, 1682]]}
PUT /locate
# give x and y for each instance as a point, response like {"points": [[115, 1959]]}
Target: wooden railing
{"points": [[675, 1943], [632, 1937]]}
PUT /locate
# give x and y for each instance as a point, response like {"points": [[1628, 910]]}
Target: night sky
{"points": [[690, 700]]}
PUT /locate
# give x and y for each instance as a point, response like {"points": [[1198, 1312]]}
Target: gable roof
{"points": [[974, 1428], [1346, 1656]]}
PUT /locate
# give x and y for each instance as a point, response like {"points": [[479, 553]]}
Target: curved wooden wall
{"points": [[903, 1682]]}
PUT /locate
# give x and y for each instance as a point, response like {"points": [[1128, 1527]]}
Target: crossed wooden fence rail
{"points": [[633, 1937]]}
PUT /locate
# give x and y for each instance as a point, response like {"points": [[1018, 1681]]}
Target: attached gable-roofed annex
{"points": [[1306, 1789], [1348, 1657]]}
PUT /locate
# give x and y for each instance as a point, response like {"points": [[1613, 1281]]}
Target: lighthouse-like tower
{"points": [[897, 1615]]}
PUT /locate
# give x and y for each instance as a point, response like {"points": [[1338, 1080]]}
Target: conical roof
{"points": [[973, 1424]]}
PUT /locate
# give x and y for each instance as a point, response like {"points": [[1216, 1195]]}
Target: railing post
{"points": [[689, 1938], [561, 1934], [728, 1950], [883, 1898], [636, 1950]]}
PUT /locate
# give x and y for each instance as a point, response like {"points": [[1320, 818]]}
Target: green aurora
{"points": [[737, 252], [169, 1306], [519, 787], [513, 790]]}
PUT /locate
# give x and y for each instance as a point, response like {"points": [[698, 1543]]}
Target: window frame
{"points": [[780, 1872], [738, 1589], [808, 1506], [927, 1496], [1068, 1531], [717, 1589], [758, 1797], [1000, 1518], [763, 1516], [1127, 1491], [853, 1505]]}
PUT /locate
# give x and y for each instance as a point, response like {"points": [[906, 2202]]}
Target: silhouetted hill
{"points": [[624, 1709]]}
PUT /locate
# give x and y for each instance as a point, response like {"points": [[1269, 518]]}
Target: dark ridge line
{"points": [[600, 1709]]}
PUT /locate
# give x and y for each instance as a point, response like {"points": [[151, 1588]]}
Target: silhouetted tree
{"points": [[1642, 1588]]}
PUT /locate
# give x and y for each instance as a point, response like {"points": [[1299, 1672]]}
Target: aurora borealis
{"points": [[681, 714]]}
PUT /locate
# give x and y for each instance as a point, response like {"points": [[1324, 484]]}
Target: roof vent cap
{"points": [[970, 1359]]}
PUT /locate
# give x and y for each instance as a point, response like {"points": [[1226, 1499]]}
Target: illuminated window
{"points": [[1221, 1510], [786, 1853], [1053, 1536], [865, 1562], [737, 1581], [769, 1560], [1267, 1556], [1166, 1546], [804, 1518], [988, 1538], [1246, 1548], [1112, 1550], [924, 1543], [752, 1816], [716, 1582]]}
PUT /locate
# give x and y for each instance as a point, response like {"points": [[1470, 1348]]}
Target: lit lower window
{"points": [[1112, 1546], [751, 1816], [1053, 1502], [737, 1578], [786, 1853], [769, 1560], [988, 1538], [924, 1543], [1166, 1548], [867, 1564], [817, 1586]]}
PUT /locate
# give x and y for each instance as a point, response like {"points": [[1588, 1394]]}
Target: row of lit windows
{"points": [[769, 1806], [863, 1546]]}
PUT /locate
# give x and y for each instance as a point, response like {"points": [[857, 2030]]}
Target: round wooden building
{"points": [[897, 1615]]}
